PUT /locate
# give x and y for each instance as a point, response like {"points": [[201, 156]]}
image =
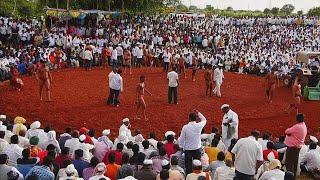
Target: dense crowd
{"points": [[30, 152], [249, 45]]}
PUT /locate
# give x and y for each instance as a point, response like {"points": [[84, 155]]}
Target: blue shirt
{"points": [[43, 172], [80, 165]]}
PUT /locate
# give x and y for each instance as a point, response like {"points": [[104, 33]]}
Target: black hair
{"points": [[164, 174], [94, 161], [129, 145], [221, 156], [112, 157], [48, 161], [135, 149], [66, 163], [270, 145], [170, 138], [78, 153], [14, 139], [91, 133], [145, 144], [313, 145], [192, 116], [3, 158], [125, 158], [141, 158], [120, 146], [65, 150], [214, 142], [26, 153]]}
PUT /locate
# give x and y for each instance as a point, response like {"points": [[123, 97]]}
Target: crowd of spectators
{"points": [[249, 45]]}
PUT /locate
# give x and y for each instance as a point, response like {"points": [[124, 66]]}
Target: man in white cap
{"points": [[173, 174], [274, 171], [197, 171], [230, 123], [310, 162], [124, 129], [3, 117], [3, 143], [217, 78], [146, 172], [99, 172], [85, 147], [71, 173], [190, 138]]}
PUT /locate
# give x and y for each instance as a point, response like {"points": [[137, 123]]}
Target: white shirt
{"points": [[87, 55], [247, 151], [109, 77], [14, 151], [312, 159], [125, 131], [114, 54], [230, 115], [116, 82], [190, 134], [224, 173], [166, 56], [85, 147], [72, 144], [218, 75], [139, 53], [276, 174], [173, 79], [3, 145]]}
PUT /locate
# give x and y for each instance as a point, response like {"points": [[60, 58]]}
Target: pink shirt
{"points": [[296, 135]]}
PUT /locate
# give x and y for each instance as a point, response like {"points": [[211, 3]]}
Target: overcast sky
{"points": [[304, 5]]}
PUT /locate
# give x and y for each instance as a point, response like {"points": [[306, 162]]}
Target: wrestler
{"points": [[140, 102], [44, 77], [296, 94], [15, 82], [58, 54], [208, 77], [127, 60], [182, 67], [194, 68], [271, 80]]}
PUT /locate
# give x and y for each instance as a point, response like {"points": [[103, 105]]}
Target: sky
{"points": [[304, 5]]}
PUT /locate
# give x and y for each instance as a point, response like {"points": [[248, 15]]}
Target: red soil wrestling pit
{"points": [[79, 100]]}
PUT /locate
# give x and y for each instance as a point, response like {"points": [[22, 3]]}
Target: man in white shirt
{"points": [[116, 85], [139, 56], [124, 129], [88, 57], [114, 57], [190, 139], [248, 156], [217, 77], [230, 123], [3, 143], [13, 150], [274, 171], [311, 160], [173, 78], [166, 60]]}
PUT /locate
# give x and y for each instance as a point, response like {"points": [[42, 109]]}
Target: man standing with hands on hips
{"points": [[173, 78], [230, 123], [190, 139]]}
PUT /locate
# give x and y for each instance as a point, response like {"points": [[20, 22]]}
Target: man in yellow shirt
{"points": [[212, 150]]}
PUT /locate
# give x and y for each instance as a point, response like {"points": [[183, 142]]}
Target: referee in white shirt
{"points": [[116, 85], [173, 84], [190, 139]]}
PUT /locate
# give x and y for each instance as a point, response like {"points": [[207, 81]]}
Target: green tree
{"points": [[287, 9], [275, 11], [229, 8], [181, 8], [192, 8], [300, 13], [209, 8], [314, 11], [267, 11]]}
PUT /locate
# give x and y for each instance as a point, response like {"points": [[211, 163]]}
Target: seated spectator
{"points": [[146, 172], [52, 140], [34, 148], [153, 140], [23, 141], [105, 139], [89, 171], [173, 174], [26, 163], [13, 150], [175, 166], [215, 164], [197, 171], [265, 139], [71, 173], [146, 150], [65, 155], [3, 142], [79, 163], [274, 171], [64, 137], [270, 153], [44, 172], [310, 162], [62, 170], [99, 172], [5, 168], [157, 158], [73, 142], [126, 169], [91, 134], [19, 125], [129, 150], [279, 145], [85, 147], [180, 156], [226, 172], [213, 150], [112, 168], [117, 153], [134, 158], [169, 146]]}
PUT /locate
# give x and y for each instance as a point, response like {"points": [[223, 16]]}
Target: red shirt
{"points": [[118, 157], [169, 149], [61, 158], [267, 151]]}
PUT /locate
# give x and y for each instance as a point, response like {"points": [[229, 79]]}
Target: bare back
{"points": [[43, 73]]}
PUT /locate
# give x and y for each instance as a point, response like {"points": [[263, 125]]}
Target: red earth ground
{"points": [[79, 100]]}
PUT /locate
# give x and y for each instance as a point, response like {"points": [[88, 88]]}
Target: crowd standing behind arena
{"points": [[245, 45]]}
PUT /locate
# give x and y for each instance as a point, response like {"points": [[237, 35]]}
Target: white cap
{"points": [[196, 162], [106, 132], [101, 167], [2, 127], [35, 125], [164, 162], [204, 136], [147, 162], [225, 106], [70, 169], [2, 116], [82, 137], [125, 120], [313, 139], [220, 64], [169, 133]]}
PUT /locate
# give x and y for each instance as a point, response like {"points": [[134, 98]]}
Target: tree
{"points": [[192, 8], [275, 11], [171, 3], [287, 9], [300, 13], [208, 8], [229, 8], [181, 8], [314, 11], [267, 11]]}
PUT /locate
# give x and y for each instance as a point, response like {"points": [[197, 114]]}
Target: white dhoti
{"points": [[217, 88]]}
